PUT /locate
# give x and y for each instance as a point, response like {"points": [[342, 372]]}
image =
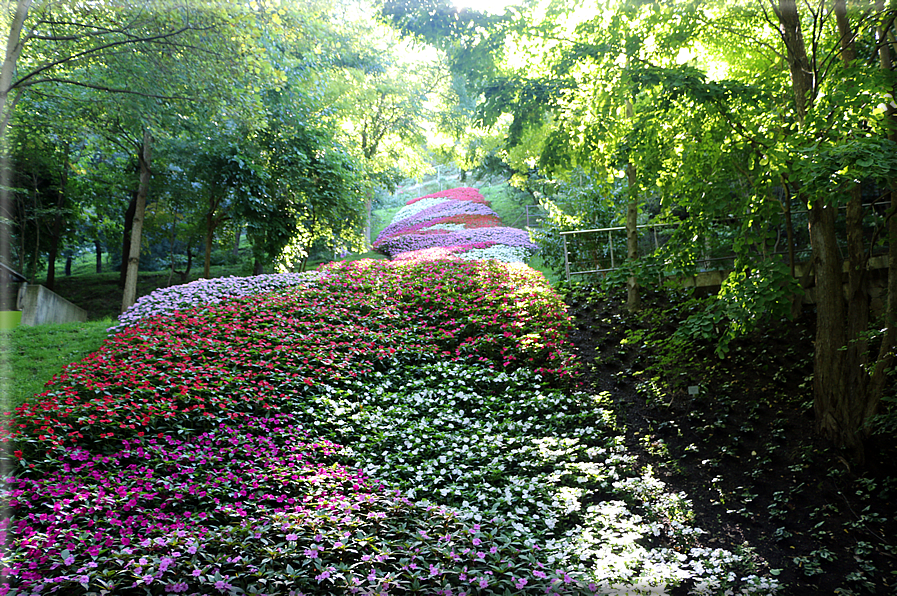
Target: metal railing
{"points": [[714, 250], [717, 241]]}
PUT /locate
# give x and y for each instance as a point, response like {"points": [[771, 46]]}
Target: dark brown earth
{"points": [[744, 448]]}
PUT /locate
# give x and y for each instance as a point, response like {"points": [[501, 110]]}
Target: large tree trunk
{"points": [[886, 349], [14, 47], [829, 380], [7, 299], [858, 295], [837, 378], [129, 295]]}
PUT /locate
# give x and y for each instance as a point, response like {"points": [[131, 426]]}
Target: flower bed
{"points": [[406, 426], [206, 291], [459, 221]]}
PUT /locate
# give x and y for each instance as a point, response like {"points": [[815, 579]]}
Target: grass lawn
{"points": [[33, 355]]}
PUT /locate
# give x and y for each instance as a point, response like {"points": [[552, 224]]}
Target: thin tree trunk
{"points": [[130, 293], [126, 239], [802, 77], [56, 234], [36, 255], [368, 204], [633, 295], [207, 262], [68, 266], [99, 251], [212, 223]]}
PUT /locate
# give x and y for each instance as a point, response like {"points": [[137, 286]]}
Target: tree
{"points": [[846, 394], [148, 61], [583, 85]]}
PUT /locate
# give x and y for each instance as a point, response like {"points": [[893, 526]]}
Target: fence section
{"points": [[599, 251]]}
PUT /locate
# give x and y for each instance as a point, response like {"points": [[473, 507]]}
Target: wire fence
{"points": [[708, 248]]}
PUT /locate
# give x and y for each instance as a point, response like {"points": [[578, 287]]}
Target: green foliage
{"points": [[748, 298]]}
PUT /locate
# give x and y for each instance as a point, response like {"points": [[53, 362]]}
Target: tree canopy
{"points": [[750, 125]]}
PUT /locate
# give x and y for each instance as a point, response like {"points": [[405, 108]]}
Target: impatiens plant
{"points": [[206, 291], [459, 221], [252, 506], [199, 450]]}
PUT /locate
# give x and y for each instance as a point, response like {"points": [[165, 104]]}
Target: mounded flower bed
{"points": [[458, 223], [407, 426]]}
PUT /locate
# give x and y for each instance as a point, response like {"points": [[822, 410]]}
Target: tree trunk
{"points": [[68, 266], [828, 367], [99, 250], [145, 159], [7, 299], [56, 234], [126, 239], [36, 256], [368, 204], [207, 262], [886, 349], [52, 253], [237, 234], [14, 47], [633, 295], [802, 75], [840, 377], [842, 403], [213, 220]]}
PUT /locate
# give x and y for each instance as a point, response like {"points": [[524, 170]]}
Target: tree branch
{"points": [[108, 89], [93, 51]]}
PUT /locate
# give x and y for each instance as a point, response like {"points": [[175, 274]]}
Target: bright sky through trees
{"points": [[490, 6]]}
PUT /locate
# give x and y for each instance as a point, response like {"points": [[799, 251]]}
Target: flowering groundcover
{"points": [[460, 222], [395, 427]]}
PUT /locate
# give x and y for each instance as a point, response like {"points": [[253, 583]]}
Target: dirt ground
{"points": [[743, 448]]}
